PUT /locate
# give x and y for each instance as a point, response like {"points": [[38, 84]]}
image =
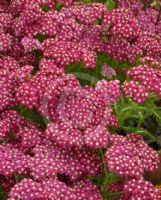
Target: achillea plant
{"points": [[61, 138]]}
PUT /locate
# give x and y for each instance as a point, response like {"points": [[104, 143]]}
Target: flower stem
{"points": [[104, 162], [116, 193]]}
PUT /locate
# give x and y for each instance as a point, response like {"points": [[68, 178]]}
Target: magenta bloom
{"points": [[140, 189], [145, 80], [108, 71], [130, 156], [39, 41]]}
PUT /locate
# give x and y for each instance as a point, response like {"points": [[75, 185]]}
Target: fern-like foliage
{"points": [[152, 125], [131, 116]]}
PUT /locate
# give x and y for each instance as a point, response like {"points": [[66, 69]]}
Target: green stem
{"points": [[104, 162], [16, 178], [116, 193]]}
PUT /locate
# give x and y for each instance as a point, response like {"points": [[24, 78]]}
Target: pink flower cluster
{"points": [[135, 189], [121, 27], [11, 77], [145, 80], [58, 99], [54, 189], [25, 132], [30, 153], [126, 151], [66, 52], [50, 161], [56, 163], [130, 157], [135, 6], [132, 31]]}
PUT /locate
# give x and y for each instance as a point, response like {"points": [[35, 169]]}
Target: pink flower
{"points": [[145, 80], [130, 156], [30, 44], [141, 189], [108, 72]]}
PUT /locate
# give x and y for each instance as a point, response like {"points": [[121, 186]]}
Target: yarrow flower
{"points": [[30, 44], [80, 11], [54, 189], [108, 71], [135, 6], [132, 32], [12, 160], [71, 119], [11, 78], [135, 189], [6, 42], [140, 189], [147, 20], [65, 53], [121, 23], [51, 160], [151, 62], [127, 151], [57, 161], [145, 80], [31, 92], [64, 135]]}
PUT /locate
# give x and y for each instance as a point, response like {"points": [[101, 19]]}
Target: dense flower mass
{"points": [[121, 23], [11, 78], [59, 135], [132, 31], [54, 189], [145, 80], [12, 160], [127, 151], [141, 189], [135, 189]]}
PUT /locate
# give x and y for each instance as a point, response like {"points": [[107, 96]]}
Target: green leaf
{"points": [[32, 115], [131, 116], [110, 4], [97, 180], [38, 57], [58, 6], [115, 195], [146, 134], [3, 195], [19, 178], [105, 38], [84, 75], [44, 8], [40, 37], [111, 178], [105, 195], [99, 21]]}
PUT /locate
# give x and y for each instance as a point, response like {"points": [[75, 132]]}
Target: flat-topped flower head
{"points": [[141, 189], [50, 160], [96, 137], [12, 160], [136, 189], [145, 80], [130, 157], [121, 23]]}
